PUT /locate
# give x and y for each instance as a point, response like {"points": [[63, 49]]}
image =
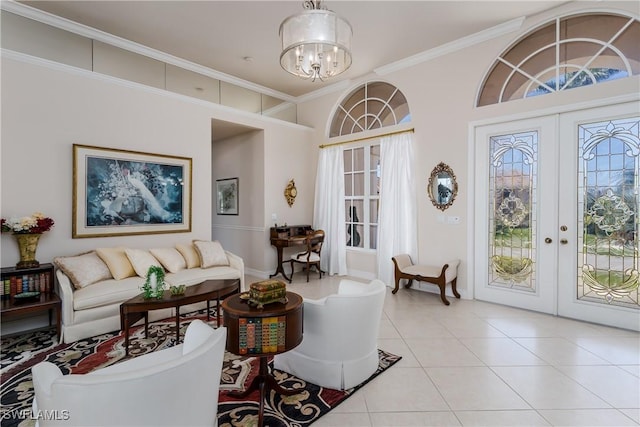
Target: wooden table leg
{"points": [[264, 381], [146, 324], [208, 310], [218, 310], [126, 335], [58, 321], [177, 324], [280, 268]]}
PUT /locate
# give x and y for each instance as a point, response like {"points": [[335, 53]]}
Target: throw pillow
{"points": [[211, 253], [188, 252], [170, 259], [141, 260], [117, 261], [84, 269]]}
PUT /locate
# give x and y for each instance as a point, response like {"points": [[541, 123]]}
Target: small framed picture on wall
{"points": [[227, 196]]}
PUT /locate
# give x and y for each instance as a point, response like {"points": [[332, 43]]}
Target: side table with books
{"points": [[263, 332], [29, 290]]}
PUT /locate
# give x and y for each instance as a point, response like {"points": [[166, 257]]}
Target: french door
{"points": [[557, 227]]}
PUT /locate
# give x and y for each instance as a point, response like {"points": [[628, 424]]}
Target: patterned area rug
{"points": [[20, 353]]}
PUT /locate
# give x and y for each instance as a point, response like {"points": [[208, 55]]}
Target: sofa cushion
{"points": [[117, 261], [170, 259], [189, 253], [192, 276], [107, 292], [211, 253], [141, 260], [84, 269]]}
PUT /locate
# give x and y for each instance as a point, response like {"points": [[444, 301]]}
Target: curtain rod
{"points": [[365, 138]]}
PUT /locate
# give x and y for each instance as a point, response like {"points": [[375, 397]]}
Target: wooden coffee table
{"points": [[281, 322], [138, 308]]}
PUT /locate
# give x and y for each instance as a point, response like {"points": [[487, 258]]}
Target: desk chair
{"points": [[311, 256]]}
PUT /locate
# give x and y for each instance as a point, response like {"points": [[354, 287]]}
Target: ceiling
{"points": [[240, 38]]}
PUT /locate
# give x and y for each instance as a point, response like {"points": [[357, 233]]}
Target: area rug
{"points": [[21, 353]]}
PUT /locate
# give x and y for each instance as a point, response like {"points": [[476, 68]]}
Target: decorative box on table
{"points": [[267, 292]]}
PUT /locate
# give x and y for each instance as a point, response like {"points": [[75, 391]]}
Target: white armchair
{"points": [[339, 349], [176, 386]]}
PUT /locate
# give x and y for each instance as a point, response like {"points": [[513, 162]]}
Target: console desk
{"points": [[285, 236]]}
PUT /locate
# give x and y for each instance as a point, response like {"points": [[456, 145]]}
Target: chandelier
{"points": [[316, 43]]}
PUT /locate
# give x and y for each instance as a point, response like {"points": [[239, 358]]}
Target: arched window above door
{"points": [[566, 53], [371, 106]]}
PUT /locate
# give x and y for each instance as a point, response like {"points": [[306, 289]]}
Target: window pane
{"points": [[374, 184], [358, 184], [373, 211], [356, 211], [373, 236], [358, 159], [348, 185], [374, 167], [347, 211], [348, 155], [354, 236]]}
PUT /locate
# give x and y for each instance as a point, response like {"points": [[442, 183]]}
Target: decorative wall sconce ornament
{"points": [[290, 192], [442, 187]]}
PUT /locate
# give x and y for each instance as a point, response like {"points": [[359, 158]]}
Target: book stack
{"points": [[262, 335], [17, 284]]}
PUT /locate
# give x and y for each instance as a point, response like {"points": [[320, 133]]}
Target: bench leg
{"points": [[442, 285], [454, 287], [397, 285], [409, 283]]}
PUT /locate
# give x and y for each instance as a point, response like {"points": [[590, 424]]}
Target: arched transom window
{"points": [[566, 53], [371, 106]]}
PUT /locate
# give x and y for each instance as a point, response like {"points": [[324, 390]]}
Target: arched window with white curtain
{"points": [[377, 110]]}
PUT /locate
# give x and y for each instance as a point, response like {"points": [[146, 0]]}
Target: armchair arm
{"points": [[44, 374], [238, 263], [65, 291]]}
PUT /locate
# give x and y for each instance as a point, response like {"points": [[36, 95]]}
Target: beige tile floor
{"points": [[480, 364]]}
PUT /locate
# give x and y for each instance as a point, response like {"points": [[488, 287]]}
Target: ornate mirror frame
{"points": [[442, 187]]}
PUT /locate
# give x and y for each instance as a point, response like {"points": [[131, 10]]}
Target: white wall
{"points": [[47, 108], [441, 95]]}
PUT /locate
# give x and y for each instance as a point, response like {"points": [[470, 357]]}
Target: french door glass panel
{"points": [[602, 252]]}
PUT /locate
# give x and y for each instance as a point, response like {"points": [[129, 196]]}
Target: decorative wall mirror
{"points": [[442, 187]]}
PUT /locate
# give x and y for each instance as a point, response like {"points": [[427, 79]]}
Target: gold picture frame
{"points": [[121, 192]]}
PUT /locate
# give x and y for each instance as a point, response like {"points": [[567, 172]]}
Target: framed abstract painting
{"points": [[121, 192]]}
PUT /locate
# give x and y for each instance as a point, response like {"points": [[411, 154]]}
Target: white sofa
{"points": [[95, 308], [339, 349], [177, 386]]}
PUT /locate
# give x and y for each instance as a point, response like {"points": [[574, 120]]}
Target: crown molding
{"points": [[92, 33], [447, 48]]}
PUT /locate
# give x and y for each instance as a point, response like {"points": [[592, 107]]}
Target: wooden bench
{"points": [[406, 269]]}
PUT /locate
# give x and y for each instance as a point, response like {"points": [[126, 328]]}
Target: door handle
{"points": [[564, 241], [548, 240]]}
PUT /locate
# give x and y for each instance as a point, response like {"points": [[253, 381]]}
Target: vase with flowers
{"points": [[27, 231]]}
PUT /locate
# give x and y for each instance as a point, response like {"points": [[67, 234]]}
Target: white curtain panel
{"points": [[329, 213], [397, 219]]}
